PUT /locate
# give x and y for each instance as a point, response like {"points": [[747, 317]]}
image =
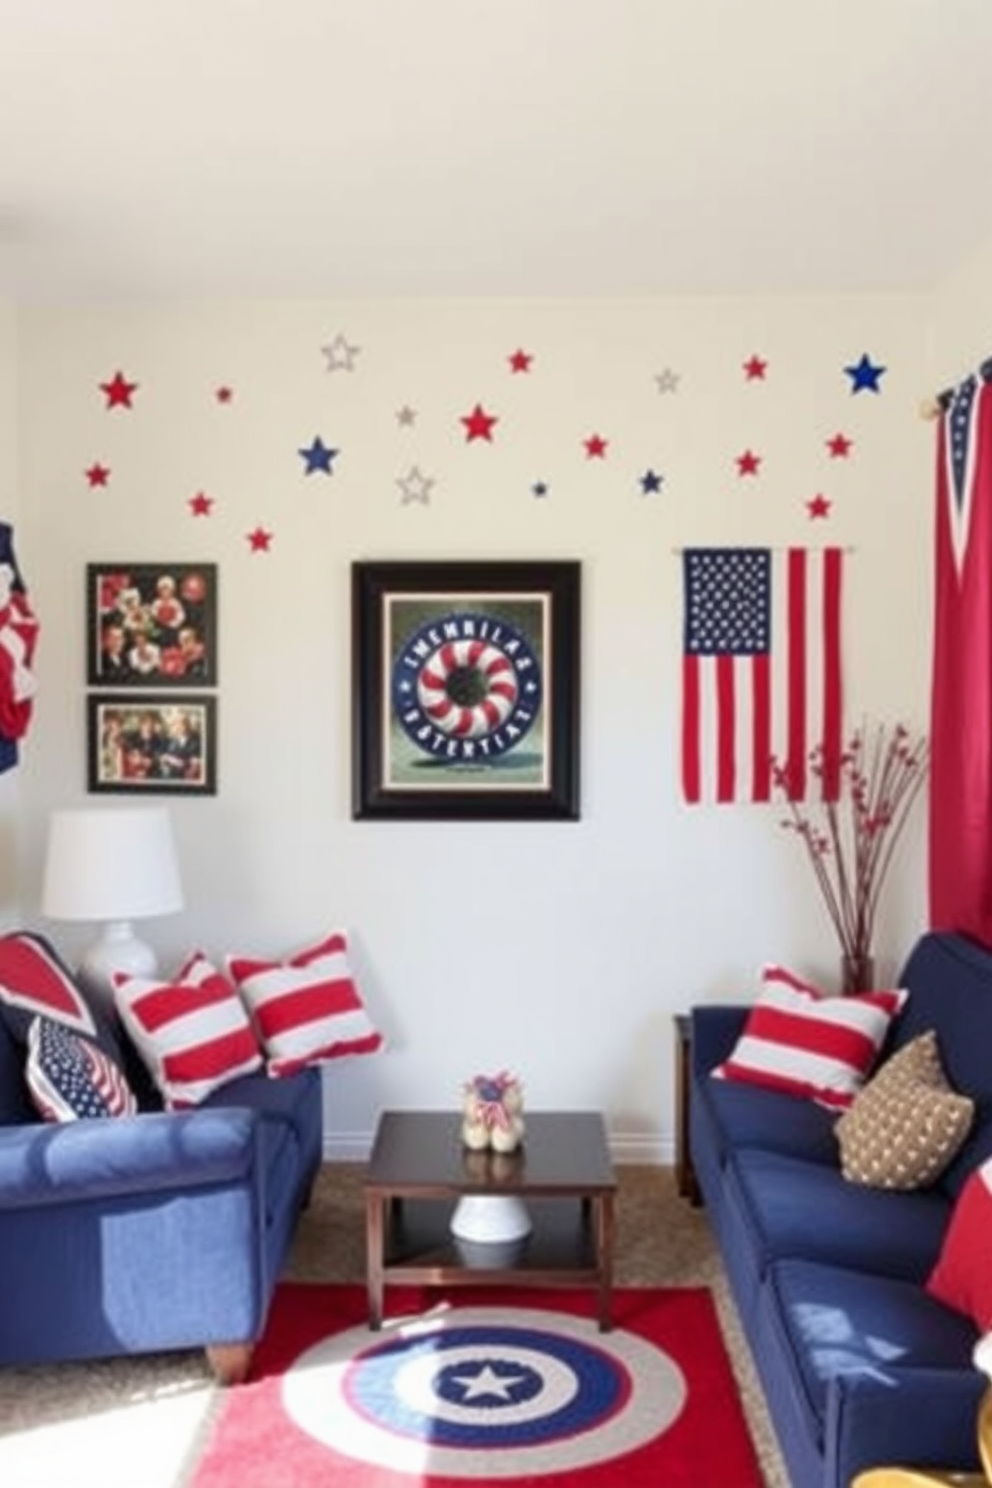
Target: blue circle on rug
{"points": [[487, 1386], [479, 1394]]}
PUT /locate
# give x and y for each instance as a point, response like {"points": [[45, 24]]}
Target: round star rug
{"points": [[484, 1387]]}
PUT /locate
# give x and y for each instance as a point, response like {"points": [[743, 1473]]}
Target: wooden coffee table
{"points": [[419, 1169]]}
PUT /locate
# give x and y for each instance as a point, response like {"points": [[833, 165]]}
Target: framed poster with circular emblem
{"points": [[465, 690]]}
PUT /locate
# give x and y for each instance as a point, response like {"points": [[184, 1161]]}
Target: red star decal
{"points": [[119, 391], [819, 506], [520, 361], [224, 394], [479, 425], [596, 447], [755, 368], [748, 462], [839, 447], [98, 475], [259, 540], [200, 504]]}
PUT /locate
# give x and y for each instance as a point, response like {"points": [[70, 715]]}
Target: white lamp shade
{"points": [[111, 864]]}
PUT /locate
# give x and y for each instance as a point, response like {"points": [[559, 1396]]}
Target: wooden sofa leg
{"points": [[229, 1362]]}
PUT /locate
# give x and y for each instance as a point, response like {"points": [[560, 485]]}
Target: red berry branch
{"points": [[850, 841]]}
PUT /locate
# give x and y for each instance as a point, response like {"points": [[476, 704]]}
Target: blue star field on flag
{"points": [[960, 429], [728, 601]]}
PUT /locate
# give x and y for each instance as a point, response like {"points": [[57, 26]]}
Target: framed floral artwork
{"points": [[465, 690], [152, 744], [151, 624]]}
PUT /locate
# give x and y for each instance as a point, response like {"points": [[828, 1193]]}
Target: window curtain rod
{"points": [[932, 408]]}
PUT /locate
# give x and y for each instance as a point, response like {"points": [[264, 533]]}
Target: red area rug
{"points": [[486, 1386]]}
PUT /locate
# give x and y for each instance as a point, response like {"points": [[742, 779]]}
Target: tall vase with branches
{"points": [[850, 841]]}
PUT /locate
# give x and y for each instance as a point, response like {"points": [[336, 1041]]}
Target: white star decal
{"points": [[340, 354], [416, 486], [487, 1382]]}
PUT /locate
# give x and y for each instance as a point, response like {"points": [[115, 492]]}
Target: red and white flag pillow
{"points": [[192, 1032], [805, 1042], [962, 1276], [306, 1009]]}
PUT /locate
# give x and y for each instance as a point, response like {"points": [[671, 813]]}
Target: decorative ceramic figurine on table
{"points": [[492, 1107]]}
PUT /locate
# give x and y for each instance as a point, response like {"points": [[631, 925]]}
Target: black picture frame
{"points": [[151, 625], [465, 690], [151, 744]]}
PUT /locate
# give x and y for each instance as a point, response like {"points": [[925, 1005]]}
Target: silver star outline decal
{"points": [[415, 486], [340, 354]]}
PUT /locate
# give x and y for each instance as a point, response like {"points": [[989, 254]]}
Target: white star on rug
{"points": [[340, 354], [487, 1382], [668, 381], [416, 486]]}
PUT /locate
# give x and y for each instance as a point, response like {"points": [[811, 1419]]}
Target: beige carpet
{"points": [[136, 1423]]}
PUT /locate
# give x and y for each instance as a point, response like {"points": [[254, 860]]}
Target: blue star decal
{"points": [[651, 482], [864, 375], [318, 457]]}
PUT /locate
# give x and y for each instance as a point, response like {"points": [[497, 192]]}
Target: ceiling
{"points": [[315, 148]]}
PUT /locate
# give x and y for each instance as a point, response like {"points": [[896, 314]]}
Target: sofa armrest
{"points": [[85, 1160], [715, 1031], [902, 1417]]}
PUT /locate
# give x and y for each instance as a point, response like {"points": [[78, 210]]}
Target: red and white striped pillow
{"points": [[806, 1042], [192, 1032], [306, 1009]]}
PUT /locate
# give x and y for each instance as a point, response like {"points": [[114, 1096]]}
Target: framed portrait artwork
{"points": [[152, 744], [151, 624], [465, 690]]}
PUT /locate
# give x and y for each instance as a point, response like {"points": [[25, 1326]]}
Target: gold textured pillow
{"points": [[906, 1124]]}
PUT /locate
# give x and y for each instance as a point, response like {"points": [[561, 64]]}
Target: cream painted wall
{"points": [[960, 321], [559, 950]]}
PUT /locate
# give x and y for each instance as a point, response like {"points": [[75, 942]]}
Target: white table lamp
{"points": [[114, 865]]}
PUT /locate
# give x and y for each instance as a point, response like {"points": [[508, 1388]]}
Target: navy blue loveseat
{"points": [[860, 1367], [164, 1230]]}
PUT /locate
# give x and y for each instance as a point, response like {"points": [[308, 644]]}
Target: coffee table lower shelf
{"points": [[561, 1250]]}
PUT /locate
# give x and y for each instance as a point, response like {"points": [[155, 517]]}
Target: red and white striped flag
{"points": [[761, 672], [961, 727]]}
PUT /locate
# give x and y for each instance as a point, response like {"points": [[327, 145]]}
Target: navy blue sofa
{"points": [[164, 1230], [860, 1367]]}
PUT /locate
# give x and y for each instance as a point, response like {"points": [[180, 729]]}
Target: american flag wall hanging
{"points": [[761, 672]]}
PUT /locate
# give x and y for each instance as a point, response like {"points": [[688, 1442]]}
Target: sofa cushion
{"points": [[289, 1100], [804, 1042], [192, 1030], [307, 1009], [831, 1321], [70, 1078], [907, 1123], [962, 1276], [787, 1207], [742, 1115]]}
